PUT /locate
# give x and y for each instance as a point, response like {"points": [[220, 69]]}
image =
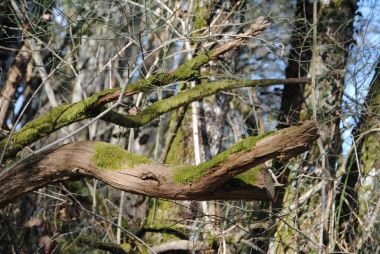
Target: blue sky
{"points": [[363, 56]]}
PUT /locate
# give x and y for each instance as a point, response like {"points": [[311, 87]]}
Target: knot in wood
{"points": [[150, 177]]}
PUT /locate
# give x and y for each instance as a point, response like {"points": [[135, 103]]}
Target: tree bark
{"points": [[79, 159], [292, 97], [347, 199]]}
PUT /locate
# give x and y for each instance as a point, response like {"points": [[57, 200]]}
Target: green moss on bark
{"points": [[200, 19], [249, 176], [57, 118], [67, 114], [188, 174], [112, 157], [184, 98], [189, 69], [176, 152], [370, 153]]}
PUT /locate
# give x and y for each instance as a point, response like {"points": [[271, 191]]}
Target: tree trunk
{"points": [[366, 148]]}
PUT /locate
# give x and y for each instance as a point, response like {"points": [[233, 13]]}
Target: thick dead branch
{"points": [[230, 175]]}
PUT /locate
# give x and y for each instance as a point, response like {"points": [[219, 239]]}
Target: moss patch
{"points": [[126, 246], [370, 153], [188, 174], [108, 156], [200, 19], [176, 152], [249, 176]]}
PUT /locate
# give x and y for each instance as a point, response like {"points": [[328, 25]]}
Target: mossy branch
{"points": [[66, 114], [231, 175], [203, 90]]}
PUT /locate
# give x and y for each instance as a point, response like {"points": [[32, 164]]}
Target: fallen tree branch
{"points": [[230, 175]]}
